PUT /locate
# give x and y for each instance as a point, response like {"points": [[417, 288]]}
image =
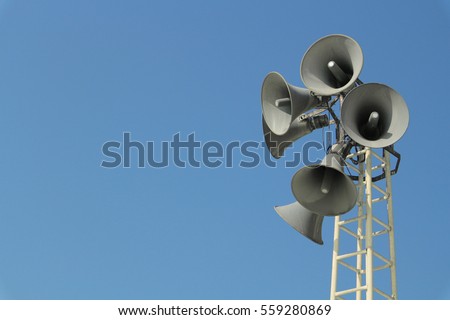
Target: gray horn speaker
{"points": [[374, 115], [299, 128], [304, 221], [282, 103], [325, 189], [331, 65]]}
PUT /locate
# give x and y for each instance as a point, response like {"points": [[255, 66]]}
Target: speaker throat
{"points": [[372, 128]]}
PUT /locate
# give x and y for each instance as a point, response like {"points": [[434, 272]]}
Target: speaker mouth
{"points": [[275, 147], [276, 104], [374, 115], [343, 53], [338, 196], [299, 128], [302, 220]]}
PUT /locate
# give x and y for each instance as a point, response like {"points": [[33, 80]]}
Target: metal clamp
{"points": [[381, 176]]}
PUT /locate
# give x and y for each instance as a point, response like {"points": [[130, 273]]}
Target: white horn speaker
{"points": [[282, 102], [374, 115], [325, 189], [299, 128], [304, 221], [331, 65]]}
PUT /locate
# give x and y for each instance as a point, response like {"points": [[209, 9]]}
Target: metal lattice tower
{"points": [[366, 254], [356, 170]]}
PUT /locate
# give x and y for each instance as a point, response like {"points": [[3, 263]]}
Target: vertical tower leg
{"points": [[359, 231], [391, 225], [334, 266], [369, 225]]}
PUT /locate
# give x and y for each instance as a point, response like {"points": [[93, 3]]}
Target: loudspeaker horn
{"points": [[282, 102], [325, 189], [374, 115], [304, 221], [331, 65], [299, 128]]}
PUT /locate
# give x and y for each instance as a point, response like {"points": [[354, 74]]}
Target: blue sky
{"points": [[74, 75]]}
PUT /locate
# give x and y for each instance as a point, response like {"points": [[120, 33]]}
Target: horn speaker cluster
{"points": [[371, 115]]}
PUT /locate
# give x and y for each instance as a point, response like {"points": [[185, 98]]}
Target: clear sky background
{"points": [[76, 74]]}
